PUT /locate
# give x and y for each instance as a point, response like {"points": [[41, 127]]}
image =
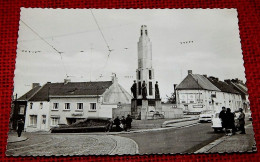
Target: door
{"points": [[43, 123]]}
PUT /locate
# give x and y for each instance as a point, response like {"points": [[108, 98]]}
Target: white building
{"points": [[198, 92], [68, 102]]}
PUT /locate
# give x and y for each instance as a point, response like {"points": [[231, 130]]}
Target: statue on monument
{"points": [[157, 93], [144, 90], [133, 89]]}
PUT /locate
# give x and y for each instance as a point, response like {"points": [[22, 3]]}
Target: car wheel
{"points": [[215, 130]]}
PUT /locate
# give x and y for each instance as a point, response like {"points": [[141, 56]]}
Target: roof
{"points": [[223, 86], [71, 89], [29, 94], [196, 81], [240, 87]]}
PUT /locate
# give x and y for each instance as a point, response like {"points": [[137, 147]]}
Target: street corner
{"points": [[124, 146]]}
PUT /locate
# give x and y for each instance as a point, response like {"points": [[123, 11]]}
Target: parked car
{"points": [[216, 123], [206, 116]]}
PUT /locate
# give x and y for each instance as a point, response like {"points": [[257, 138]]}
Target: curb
{"points": [[20, 140], [178, 121]]}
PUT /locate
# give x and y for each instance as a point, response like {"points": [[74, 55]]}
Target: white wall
{"points": [[106, 110], [229, 100], [37, 110], [73, 112]]}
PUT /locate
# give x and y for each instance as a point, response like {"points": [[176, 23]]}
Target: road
{"points": [[184, 137], [71, 144], [177, 140]]}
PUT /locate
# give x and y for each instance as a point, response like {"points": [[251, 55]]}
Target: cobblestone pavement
{"points": [[57, 144]]}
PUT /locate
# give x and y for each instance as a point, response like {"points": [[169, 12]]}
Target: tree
{"points": [[171, 99]]}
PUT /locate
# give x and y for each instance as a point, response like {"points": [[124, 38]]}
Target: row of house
{"points": [[200, 92], [44, 107]]}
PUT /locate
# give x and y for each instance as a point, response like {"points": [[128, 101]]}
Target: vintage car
{"points": [[91, 124], [206, 116]]}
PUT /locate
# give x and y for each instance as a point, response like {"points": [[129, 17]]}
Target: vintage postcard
{"points": [[129, 81]]}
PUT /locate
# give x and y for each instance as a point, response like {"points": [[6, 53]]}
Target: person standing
{"points": [[157, 92], [133, 89], [230, 122], [222, 116], [123, 122], [144, 90], [241, 120], [20, 127], [117, 123], [128, 122]]}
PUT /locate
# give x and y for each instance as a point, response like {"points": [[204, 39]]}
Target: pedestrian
{"points": [[128, 122], [230, 122], [117, 123], [241, 120], [222, 116], [123, 122], [20, 127]]}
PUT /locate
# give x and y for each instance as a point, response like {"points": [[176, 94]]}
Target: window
{"points": [[41, 105], [67, 106], [79, 106], [139, 88], [150, 74], [55, 121], [55, 106], [150, 88], [21, 110], [139, 74], [92, 106], [31, 105], [43, 119], [33, 120]]}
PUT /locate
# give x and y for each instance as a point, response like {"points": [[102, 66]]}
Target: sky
{"points": [[214, 47]]}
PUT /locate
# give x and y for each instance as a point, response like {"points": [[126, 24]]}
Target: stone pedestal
{"points": [[142, 109]]}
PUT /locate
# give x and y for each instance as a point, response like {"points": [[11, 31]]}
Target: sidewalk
{"points": [[12, 137], [234, 143]]}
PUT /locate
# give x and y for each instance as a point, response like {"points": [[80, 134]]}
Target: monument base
{"points": [[143, 109]]}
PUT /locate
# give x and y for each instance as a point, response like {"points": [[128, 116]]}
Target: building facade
{"points": [[198, 92], [68, 102]]}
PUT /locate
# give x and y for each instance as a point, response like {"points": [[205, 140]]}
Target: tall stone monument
{"points": [[145, 102]]}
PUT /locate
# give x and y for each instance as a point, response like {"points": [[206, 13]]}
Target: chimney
{"points": [[189, 71], [35, 85], [228, 81], [174, 85], [114, 78], [66, 81]]}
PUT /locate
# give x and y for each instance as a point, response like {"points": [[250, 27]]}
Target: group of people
{"points": [[228, 121], [123, 123], [143, 89]]}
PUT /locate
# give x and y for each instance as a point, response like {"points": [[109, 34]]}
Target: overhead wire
{"points": [[103, 36], [47, 44]]}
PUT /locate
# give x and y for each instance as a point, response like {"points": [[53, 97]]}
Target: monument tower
{"points": [[145, 70], [146, 93]]}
